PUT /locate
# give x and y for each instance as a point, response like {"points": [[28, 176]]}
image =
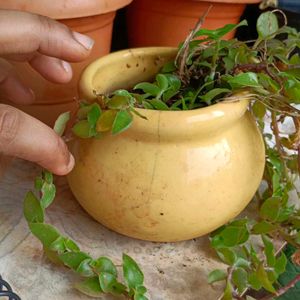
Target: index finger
{"points": [[25, 33]]}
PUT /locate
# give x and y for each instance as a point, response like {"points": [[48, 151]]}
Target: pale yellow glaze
{"points": [[177, 175]]}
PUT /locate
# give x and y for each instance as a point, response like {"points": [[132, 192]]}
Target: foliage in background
{"points": [[208, 70]]}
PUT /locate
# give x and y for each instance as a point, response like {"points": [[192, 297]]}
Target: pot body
{"points": [[177, 175], [168, 22], [53, 99]]}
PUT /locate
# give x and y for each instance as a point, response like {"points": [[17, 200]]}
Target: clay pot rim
{"points": [[58, 9], [214, 117]]}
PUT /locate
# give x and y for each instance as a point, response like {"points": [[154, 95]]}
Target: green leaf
{"points": [[295, 59], [148, 88], [132, 273], [48, 176], [71, 245], [270, 209], [61, 123], [82, 129], [83, 112], [268, 83], [58, 245], [235, 233], [259, 109], [242, 262], [174, 87], [209, 96], [217, 34], [131, 98], [106, 281], [46, 233], [240, 279], [90, 287], [147, 105], [254, 281], [277, 210], [227, 292], [104, 264], [109, 284], [84, 268], [48, 194], [229, 63], [53, 257], [227, 255], [269, 251], [122, 121], [159, 105], [168, 67], [263, 227], [141, 289], [106, 120], [264, 279], [162, 81], [267, 24], [280, 264], [275, 160], [216, 275], [292, 90], [32, 209], [138, 296], [248, 79], [93, 115], [73, 259], [118, 102], [38, 183]]}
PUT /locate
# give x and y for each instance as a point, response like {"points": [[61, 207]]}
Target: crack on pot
{"points": [[155, 159]]}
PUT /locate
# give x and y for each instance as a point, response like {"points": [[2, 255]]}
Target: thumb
{"points": [[25, 137]]}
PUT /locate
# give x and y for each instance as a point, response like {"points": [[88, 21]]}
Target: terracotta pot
{"points": [[177, 175], [92, 17], [168, 22]]}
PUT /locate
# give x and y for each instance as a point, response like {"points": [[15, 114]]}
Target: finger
{"points": [[27, 138], [22, 33], [11, 86], [51, 68]]}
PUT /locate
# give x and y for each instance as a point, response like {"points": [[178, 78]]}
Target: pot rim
{"points": [[207, 119], [66, 9]]}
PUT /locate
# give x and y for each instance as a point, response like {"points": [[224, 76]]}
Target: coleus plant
{"points": [[207, 70]]}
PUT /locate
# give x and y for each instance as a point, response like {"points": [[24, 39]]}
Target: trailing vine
{"points": [[101, 273]]}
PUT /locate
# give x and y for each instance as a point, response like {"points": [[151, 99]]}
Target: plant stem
{"points": [[286, 237], [214, 62], [284, 289], [184, 51]]}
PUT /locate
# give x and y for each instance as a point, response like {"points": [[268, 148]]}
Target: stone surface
{"points": [[173, 271]]}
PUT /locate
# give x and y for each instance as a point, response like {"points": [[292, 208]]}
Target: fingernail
{"points": [[71, 163], [30, 96], [32, 93], [84, 40], [67, 67]]}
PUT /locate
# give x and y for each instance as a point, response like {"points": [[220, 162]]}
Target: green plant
{"points": [[208, 70]]}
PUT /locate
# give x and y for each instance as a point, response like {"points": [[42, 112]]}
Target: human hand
{"points": [[46, 45]]}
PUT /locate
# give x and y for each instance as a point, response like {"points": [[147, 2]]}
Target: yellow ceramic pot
{"points": [[177, 175]]}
